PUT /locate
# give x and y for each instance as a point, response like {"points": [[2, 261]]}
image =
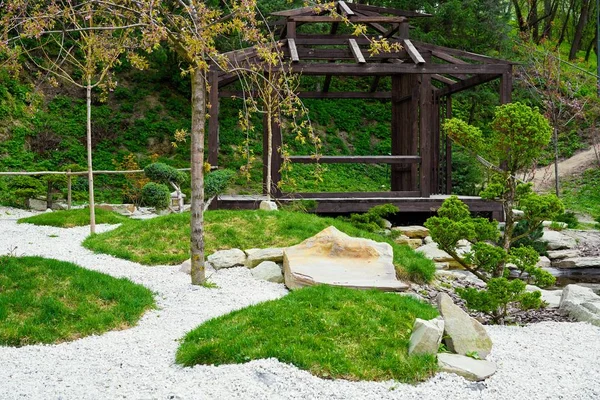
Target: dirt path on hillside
{"points": [[544, 177]]}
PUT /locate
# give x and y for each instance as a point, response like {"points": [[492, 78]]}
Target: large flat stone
{"points": [[557, 240], [412, 243], [467, 367], [578, 262], [437, 255], [413, 231], [560, 254], [334, 258], [464, 334], [256, 256]]}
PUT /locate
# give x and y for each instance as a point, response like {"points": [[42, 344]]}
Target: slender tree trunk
{"points": [[49, 194], [269, 150], [198, 273], [509, 204], [590, 47], [583, 19], [563, 31], [532, 21], [88, 91], [555, 140]]}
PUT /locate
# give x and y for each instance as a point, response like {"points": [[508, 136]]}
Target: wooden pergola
{"points": [[424, 77]]}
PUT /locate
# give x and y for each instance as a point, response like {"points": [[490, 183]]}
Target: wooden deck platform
{"points": [[332, 204]]}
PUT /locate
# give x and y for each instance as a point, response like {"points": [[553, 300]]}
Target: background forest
{"points": [[42, 126]]}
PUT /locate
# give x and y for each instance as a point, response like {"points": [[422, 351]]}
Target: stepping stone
{"points": [[578, 262], [467, 367]]}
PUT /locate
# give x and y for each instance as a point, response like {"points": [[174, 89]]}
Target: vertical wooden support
{"points": [[404, 131], [425, 134], [506, 87], [448, 149], [213, 121], [69, 192], [435, 150], [276, 160], [291, 29], [403, 31]]}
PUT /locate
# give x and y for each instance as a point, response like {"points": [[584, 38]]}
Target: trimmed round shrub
{"points": [[216, 182], [156, 195], [163, 173]]}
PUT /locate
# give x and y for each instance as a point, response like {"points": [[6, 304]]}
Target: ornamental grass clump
{"points": [[518, 135]]}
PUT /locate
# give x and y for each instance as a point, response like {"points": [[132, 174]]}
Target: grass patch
{"points": [[50, 301], [582, 194], [72, 218], [331, 332], [165, 240]]}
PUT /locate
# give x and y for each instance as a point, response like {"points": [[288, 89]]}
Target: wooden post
{"points": [[506, 87], [213, 121], [275, 158], [403, 31], [448, 149], [404, 131], [425, 139], [435, 150], [69, 189]]}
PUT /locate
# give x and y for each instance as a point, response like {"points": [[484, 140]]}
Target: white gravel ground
{"points": [[543, 361]]}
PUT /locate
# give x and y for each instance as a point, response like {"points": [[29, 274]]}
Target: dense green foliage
{"points": [[156, 195], [163, 173], [331, 332], [71, 218], [582, 193], [164, 240], [50, 301], [373, 220], [217, 181]]}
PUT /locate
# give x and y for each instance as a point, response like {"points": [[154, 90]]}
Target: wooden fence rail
{"points": [[70, 174]]}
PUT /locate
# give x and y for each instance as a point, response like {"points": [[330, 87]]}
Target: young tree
{"points": [[166, 175]]}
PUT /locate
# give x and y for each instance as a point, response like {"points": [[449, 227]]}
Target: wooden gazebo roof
{"points": [[334, 54]]}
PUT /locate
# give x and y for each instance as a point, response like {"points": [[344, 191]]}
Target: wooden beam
{"points": [[320, 95], [390, 69], [291, 29], [448, 148], [358, 56], [443, 79], [213, 121], [350, 195], [393, 11], [425, 135], [355, 159], [466, 84], [447, 57], [296, 11], [311, 53], [293, 50], [461, 53], [332, 40], [354, 19], [413, 52], [506, 87], [344, 8]]}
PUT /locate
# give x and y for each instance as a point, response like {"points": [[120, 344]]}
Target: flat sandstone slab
{"points": [[334, 258]]}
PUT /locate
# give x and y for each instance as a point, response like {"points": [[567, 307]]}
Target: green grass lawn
{"points": [[72, 218], [330, 331], [165, 240], [582, 194], [49, 301]]}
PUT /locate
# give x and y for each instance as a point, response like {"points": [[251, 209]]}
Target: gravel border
{"points": [[549, 360]]}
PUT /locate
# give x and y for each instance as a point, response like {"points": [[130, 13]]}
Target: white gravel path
{"points": [[543, 361]]}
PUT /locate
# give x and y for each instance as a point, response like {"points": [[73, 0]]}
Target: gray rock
{"points": [[432, 252], [387, 224], [37, 204], [410, 242], [186, 266], [578, 262], [581, 303], [462, 275], [268, 205], [463, 333], [560, 254], [268, 271], [413, 231], [426, 336], [227, 258], [557, 240], [256, 256], [428, 240], [467, 367], [547, 224], [544, 262]]}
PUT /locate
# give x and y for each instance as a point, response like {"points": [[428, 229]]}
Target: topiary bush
{"points": [[163, 173], [372, 220], [216, 182], [156, 195]]}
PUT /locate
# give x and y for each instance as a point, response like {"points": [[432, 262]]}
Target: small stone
{"points": [[268, 271], [426, 336], [268, 205], [186, 266], [560, 254], [256, 256], [412, 243], [413, 231], [467, 367], [544, 262], [428, 240], [227, 258]]}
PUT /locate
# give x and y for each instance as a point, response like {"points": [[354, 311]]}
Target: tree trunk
{"points": [[532, 21], [198, 273], [550, 13], [583, 19], [565, 24], [88, 90], [509, 204], [519, 16], [269, 151], [591, 45], [49, 194]]}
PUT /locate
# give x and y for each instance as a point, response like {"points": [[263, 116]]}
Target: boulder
{"points": [[548, 224], [256, 256], [467, 367], [432, 252], [125, 209], [334, 258], [412, 243], [227, 258], [413, 231], [543, 262], [557, 241], [37, 204], [560, 254], [578, 262], [581, 303], [268, 271], [551, 297], [464, 334], [462, 275], [268, 205], [386, 224], [426, 336]]}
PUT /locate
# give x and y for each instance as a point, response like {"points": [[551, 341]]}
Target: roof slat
{"points": [[413, 52], [356, 51], [293, 50]]}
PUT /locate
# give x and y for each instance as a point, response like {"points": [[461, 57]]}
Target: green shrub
{"points": [[372, 220], [163, 173], [156, 195], [25, 187], [569, 218], [216, 182]]}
